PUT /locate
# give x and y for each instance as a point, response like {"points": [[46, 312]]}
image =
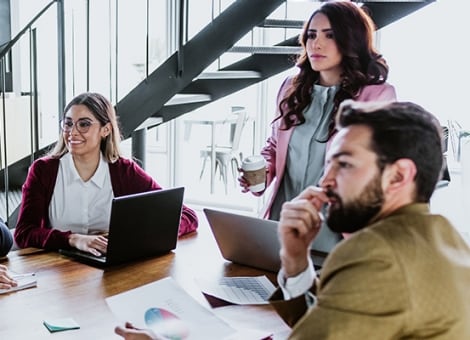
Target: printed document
{"points": [[169, 311]]}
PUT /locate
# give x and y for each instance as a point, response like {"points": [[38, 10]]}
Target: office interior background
{"points": [[126, 40]]}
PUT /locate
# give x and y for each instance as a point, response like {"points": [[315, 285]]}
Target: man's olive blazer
{"points": [[404, 277]]}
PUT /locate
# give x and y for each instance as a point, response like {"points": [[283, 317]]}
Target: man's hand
{"points": [[94, 244], [300, 222], [129, 332]]}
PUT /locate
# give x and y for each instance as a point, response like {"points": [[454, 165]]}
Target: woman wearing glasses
{"points": [[67, 194]]}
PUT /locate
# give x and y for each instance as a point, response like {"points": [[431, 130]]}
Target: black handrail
{"points": [[12, 42], [180, 51]]}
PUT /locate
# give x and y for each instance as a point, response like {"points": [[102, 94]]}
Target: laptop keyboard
{"points": [[248, 284], [85, 253], [82, 253]]}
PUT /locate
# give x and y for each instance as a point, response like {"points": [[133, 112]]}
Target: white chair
{"points": [[228, 155]]}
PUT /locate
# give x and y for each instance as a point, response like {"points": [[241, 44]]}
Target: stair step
{"points": [[279, 23], [179, 99], [230, 74], [266, 49], [150, 123]]}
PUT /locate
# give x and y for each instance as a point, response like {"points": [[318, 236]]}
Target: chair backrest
{"points": [[238, 128]]}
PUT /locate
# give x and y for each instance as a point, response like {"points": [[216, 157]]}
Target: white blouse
{"points": [[79, 206]]}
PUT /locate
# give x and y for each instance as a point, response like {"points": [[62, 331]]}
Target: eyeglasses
{"points": [[82, 125]]}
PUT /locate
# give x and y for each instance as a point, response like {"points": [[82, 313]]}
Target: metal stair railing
{"points": [[11, 186]]}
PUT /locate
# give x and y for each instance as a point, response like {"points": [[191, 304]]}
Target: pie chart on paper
{"points": [[164, 322]]}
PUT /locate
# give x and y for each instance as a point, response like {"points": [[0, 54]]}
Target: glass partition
{"points": [[33, 100], [113, 45]]}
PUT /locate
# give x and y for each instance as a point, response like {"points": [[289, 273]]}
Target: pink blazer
{"points": [[275, 149]]}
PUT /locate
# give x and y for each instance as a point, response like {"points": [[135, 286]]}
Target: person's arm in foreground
{"points": [[129, 332]]}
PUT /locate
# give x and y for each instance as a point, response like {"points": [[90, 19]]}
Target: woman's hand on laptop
{"points": [[94, 244]]}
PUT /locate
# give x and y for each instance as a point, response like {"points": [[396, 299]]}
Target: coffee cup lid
{"points": [[254, 162]]}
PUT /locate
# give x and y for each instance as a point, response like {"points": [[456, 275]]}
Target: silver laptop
{"points": [[141, 225], [254, 241], [246, 240]]}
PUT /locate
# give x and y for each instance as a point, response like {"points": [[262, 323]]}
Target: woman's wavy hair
{"points": [[362, 65], [104, 112]]}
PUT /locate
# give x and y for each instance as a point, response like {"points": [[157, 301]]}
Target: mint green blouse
{"points": [[307, 147]]}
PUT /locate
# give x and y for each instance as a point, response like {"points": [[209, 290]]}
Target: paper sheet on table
{"points": [[241, 290], [242, 317], [24, 281], [168, 310]]}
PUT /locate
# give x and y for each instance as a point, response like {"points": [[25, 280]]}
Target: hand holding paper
{"points": [[15, 281], [6, 281]]}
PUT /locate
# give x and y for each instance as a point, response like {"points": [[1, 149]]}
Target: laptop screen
{"points": [[141, 225]]}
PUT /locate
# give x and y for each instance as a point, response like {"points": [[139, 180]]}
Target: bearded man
{"points": [[403, 273]]}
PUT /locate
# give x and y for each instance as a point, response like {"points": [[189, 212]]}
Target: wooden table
{"points": [[67, 288]]}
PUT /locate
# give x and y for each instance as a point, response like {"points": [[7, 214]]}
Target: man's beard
{"points": [[355, 215]]}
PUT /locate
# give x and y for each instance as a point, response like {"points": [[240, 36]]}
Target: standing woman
{"points": [[338, 61], [66, 200]]}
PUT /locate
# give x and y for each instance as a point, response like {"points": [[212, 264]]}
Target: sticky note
{"points": [[58, 325]]}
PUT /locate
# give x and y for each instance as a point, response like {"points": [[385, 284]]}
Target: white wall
{"points": [[428, 55]]}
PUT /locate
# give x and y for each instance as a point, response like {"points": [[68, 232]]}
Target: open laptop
{"points": [[254, 241], [141, 225]]}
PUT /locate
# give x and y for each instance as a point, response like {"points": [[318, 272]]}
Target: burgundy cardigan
{"points": [[33, 227]]}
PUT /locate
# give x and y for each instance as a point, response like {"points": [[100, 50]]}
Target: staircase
{"points": [[187, 87], [182, 84]]}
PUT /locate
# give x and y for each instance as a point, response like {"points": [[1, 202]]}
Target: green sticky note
{"points": [[58, 325]]}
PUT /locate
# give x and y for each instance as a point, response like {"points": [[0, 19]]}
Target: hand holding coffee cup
{"points": [[254, 171]]}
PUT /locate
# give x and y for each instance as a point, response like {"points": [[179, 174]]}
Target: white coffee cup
{"points": [[254, 171]]}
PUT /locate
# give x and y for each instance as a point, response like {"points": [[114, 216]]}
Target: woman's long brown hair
{"points": [[362, 65]]}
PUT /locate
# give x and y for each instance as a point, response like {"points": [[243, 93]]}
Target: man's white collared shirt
{"points": [[293, 287]]}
